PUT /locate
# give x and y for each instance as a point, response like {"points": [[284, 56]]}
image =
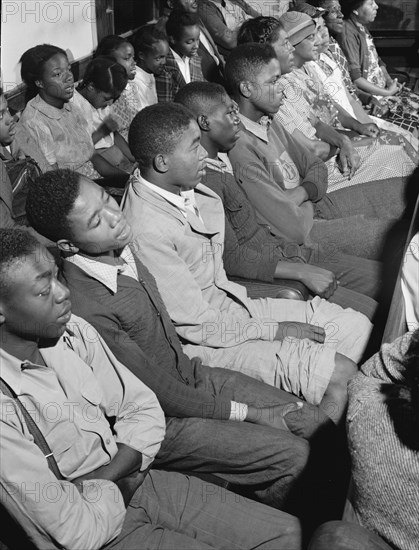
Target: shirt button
{"points": [[108, 441], [187, 381]]}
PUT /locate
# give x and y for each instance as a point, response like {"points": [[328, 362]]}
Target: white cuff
{"points": [[238, 411]]}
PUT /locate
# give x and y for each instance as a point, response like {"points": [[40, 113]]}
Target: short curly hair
{"points": [[260, 29], [15, 245], [51, 198], [178, 20], [201, 97], [244, 63], [156, 130]]}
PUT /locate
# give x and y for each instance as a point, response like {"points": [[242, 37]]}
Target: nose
{"points": [[114, 216], [61, 292]]}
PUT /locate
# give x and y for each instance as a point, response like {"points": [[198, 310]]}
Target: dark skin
{"points": [[37, 307]]}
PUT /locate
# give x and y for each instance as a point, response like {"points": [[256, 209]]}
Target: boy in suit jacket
{"points": [[183, 64]]}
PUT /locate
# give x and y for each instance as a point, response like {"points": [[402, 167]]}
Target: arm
{"points": [[367, 129], [139, 420], [196, 320], [74, 519], [177, 398], [367, 86], [214, 22], [123, 146], [348, 158], [105, 168], [317, 147], [262, 185]]}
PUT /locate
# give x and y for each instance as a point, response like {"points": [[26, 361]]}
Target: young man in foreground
{"points": [[103, 427]]}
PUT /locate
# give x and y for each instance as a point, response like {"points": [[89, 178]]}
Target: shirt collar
{"points": [[12, 367], [48, 110], [182, 202], [106, 274], [258, 129], [220, 164], [184, 59]]}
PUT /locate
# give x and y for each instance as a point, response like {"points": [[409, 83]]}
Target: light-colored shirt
{"points": [[185, 201], [95, 119], [71, 398], [105, 273], [54, 136], [183, 64], [139, 93]]}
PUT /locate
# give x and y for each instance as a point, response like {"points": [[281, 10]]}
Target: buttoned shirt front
{"points": [[54, 136], [70, 398]]}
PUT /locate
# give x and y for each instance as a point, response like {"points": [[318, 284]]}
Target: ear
{"points": [[160, 163], [170, 4], [356, 12], [203, 123], [67, 246], [245, 88], [39, 84], [91, 87], [171, 40]]}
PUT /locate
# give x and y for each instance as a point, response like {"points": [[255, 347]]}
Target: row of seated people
{"points": [[213, 408], [181, 240]]}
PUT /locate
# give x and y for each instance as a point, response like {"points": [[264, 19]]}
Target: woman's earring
{"points": [[356, 12]]}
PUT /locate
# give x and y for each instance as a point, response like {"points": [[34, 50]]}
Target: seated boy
{"points": [[251, 251], [285, 183], [100, 427], [183, 64], [218, 421], [212, 61], [214, 317]]}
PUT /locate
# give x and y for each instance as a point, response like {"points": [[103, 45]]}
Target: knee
{"points": [[345, 370], [300, 457]]}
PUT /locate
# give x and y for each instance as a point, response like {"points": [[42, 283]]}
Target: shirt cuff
{"points": [[238, 411], [312, 190]]}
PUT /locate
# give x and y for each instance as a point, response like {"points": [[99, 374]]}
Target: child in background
{"points": [[183, 64], [151, 48], [51, 129], [102, 84]]}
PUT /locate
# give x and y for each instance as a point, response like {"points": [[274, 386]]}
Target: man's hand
{"points": [[392, 87], [272, 416], [348, 160], [300, 330], [369, 129], [321, 282]]}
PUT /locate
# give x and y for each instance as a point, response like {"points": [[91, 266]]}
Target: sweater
{"points": [[385, 470], [258, 168]]}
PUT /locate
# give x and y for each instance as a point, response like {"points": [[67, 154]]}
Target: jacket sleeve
{"points": [[350, 42], [176, 398], [267, 196], [197, 321], [52, 512]]}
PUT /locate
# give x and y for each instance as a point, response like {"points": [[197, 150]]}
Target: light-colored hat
{"points": [[297, 25]]}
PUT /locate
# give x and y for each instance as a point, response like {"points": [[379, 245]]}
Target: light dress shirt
{"points": [[107, 274], [95, 118], [183, 64], [71, 398], [185, 201]]}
